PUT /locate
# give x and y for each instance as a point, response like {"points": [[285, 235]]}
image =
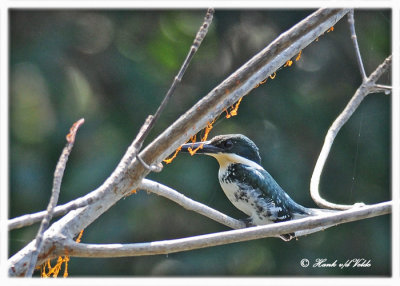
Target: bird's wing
{"points": [[279, 202]]}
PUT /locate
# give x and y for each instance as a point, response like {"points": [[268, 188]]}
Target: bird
{"points": [[247, 185]]}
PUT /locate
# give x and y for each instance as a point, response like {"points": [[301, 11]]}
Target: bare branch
{"points": [[190, 204], [350, 17], [55, 192], [232, 236], [366, 88]]}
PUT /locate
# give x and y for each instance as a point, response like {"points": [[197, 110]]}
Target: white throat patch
{"points": [[224, 159]]}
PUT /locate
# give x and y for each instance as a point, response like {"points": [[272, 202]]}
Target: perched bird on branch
{"points": [[248, 186]]}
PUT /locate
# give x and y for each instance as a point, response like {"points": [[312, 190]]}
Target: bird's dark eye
{"points": [[228, 144]]}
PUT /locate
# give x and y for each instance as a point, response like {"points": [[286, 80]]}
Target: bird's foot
{"points": [[247, 221], [288, 236]]}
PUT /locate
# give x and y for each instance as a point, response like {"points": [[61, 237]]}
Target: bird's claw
{"points": [[247, 221]]}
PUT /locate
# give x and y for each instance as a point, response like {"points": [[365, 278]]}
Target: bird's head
{"points": [[227, 148]]}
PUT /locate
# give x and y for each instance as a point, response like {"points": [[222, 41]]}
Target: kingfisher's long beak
{"points": [[202, 148]]}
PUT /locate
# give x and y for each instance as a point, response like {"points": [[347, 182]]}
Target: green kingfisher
{"points": [[248, 186]]}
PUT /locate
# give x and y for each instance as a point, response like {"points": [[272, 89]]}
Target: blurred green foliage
{"points": [[113, 67]]}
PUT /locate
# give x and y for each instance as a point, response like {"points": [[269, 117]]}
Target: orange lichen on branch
{"points": [[208, 129], [204, 138], [272, 76], [234, 110], [169, 160], [298, 56], [288, 63], [228, 114], [226, 110], [47, 270], [78, 239], [260, 83], [193, 151], [74, 128], [327, 31], [66, 260], [132, 192]]}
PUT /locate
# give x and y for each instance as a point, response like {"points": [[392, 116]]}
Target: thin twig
{"points": [[365, 89], [386, 89], [193, 49], [221, 238], [350, 17], [55, 192]]}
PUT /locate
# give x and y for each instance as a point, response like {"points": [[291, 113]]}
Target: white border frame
{"points": [[4, 61]]}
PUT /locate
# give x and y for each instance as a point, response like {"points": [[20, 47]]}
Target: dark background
{"points": [[113, 67]]}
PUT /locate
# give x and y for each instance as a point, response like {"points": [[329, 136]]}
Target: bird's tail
{"points": [[315, 212]]}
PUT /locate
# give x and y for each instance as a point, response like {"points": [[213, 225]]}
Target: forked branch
{"points": [[366, 88]]}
